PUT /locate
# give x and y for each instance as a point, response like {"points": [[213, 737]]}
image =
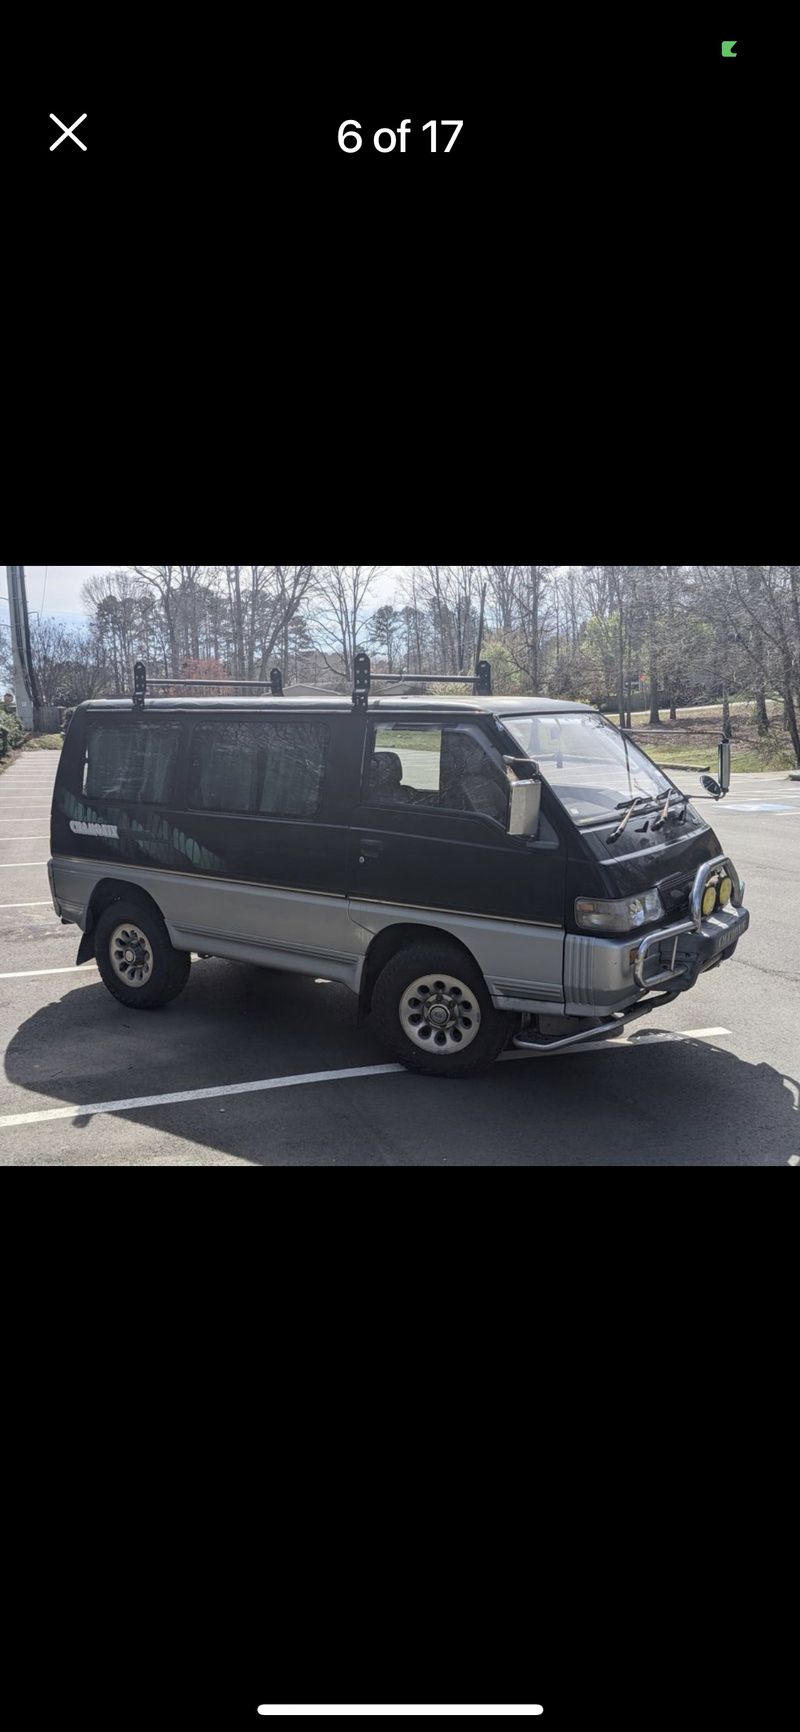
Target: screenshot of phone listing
{"points": [[438, 1708]]}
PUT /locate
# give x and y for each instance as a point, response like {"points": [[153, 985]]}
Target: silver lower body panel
{"points": [[598, 975]]}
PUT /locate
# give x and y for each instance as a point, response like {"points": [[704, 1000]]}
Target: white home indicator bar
{"points": [[436, 1709]]}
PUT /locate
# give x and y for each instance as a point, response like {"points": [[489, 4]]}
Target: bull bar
{"points": [[665, 933]]}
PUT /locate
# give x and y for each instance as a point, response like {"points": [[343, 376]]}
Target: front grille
{"points": [[676, 894]]}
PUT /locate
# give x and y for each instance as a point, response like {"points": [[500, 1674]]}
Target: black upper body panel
{"points": [[360, 835]]}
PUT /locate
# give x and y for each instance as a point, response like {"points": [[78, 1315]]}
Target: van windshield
{"points": [[593, 769]]}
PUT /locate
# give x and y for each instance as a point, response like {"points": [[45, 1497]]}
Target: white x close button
{"points": [[68, 132]]}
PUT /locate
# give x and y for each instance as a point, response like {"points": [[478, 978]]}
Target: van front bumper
{"points": [[603, 975], [678, 955]]}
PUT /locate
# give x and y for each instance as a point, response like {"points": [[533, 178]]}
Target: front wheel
{"points": [[432, 1010], [135, 957]]}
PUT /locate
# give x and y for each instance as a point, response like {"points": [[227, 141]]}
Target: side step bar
{"points": [[542, 1047]]}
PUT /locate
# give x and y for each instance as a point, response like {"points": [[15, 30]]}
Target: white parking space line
{"points": [[182, 1097], [25, 973], [12, 865], [45, 904], [186, 1096], [484, 1710], [37, 838], [692, 1034]]}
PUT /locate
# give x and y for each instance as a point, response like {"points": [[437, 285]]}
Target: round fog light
{"points": [[725, 892], [710, 899]]}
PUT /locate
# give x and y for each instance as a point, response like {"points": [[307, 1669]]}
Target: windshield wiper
{"points": [[629, 807], [663, 816]]}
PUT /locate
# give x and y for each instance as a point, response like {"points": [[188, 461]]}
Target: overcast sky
{"points": [[57, 588]]}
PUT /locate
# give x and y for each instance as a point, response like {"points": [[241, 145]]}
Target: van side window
{"points": [[271, 767], [134, 763], [448, 768]]}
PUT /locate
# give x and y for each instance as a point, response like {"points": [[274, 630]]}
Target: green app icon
{"points": [[727, 50]]}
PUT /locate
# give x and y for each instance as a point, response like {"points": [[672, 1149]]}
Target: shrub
{"points": [[12, 733]]}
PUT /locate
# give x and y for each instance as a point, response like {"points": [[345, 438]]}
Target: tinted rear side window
{"points": [[134, 763], [274, 768]]}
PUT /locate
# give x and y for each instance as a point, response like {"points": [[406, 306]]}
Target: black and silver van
{"points": [[479, 870]]}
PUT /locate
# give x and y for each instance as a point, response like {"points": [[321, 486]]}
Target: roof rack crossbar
{"points": [[480, 681], [141, 683]]}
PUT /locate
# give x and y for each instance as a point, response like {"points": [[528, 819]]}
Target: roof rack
{"points": [[480, 681], [141, 683]]}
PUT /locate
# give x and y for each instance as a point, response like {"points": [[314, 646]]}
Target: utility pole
{"points": [[26, 689], [480, 627]]}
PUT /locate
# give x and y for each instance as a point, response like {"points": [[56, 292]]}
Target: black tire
{"points": [[167, 969], [480, 1047]]}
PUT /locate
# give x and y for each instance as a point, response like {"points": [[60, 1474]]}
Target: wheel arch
{"points": [[106, 891], [399, 936]]}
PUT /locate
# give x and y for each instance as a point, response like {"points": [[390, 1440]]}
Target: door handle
{"points": [[368, 851]]}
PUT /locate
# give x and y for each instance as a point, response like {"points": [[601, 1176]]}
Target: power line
{"points": [[41, 605]]}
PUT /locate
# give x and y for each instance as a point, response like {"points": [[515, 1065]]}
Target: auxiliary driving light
{"points": [[710, 899], [725, 892]]}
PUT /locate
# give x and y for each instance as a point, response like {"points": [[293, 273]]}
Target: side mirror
{"points": [[524, 799], [725, 766], [712, 787]]}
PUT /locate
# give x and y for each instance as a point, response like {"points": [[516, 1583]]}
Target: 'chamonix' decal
{"points": [[80, 829]]}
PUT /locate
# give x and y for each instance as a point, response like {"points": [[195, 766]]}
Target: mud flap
{"points": [[85, 948]]}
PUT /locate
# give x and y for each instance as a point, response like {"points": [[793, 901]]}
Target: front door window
{"points": [[446, 769]]}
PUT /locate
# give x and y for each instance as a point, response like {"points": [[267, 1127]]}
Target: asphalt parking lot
{"points": [[237, 1071]]}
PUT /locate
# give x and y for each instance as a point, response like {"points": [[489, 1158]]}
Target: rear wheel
{"points": [[135, 957], [432, 1010]]}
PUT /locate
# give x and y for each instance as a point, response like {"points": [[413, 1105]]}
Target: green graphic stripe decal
{"points": [[158, 840]]}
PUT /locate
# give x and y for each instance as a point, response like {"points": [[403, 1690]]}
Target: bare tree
{"points": [[233, 574], [343, 591], [531, 609], [503, 582], [118, 601], [69, 663], [6, 658], [164, 580], [384, 630], [769, 597]]}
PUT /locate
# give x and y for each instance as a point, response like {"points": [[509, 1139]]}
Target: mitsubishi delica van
{"points": [[480, 871]]}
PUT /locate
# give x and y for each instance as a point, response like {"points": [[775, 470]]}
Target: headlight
{"points": [[624, 916]]}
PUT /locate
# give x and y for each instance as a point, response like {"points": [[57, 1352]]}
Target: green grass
{"points": [[700, 754], [743, 761], [413, 740], [711, 713], [43, 743]]}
